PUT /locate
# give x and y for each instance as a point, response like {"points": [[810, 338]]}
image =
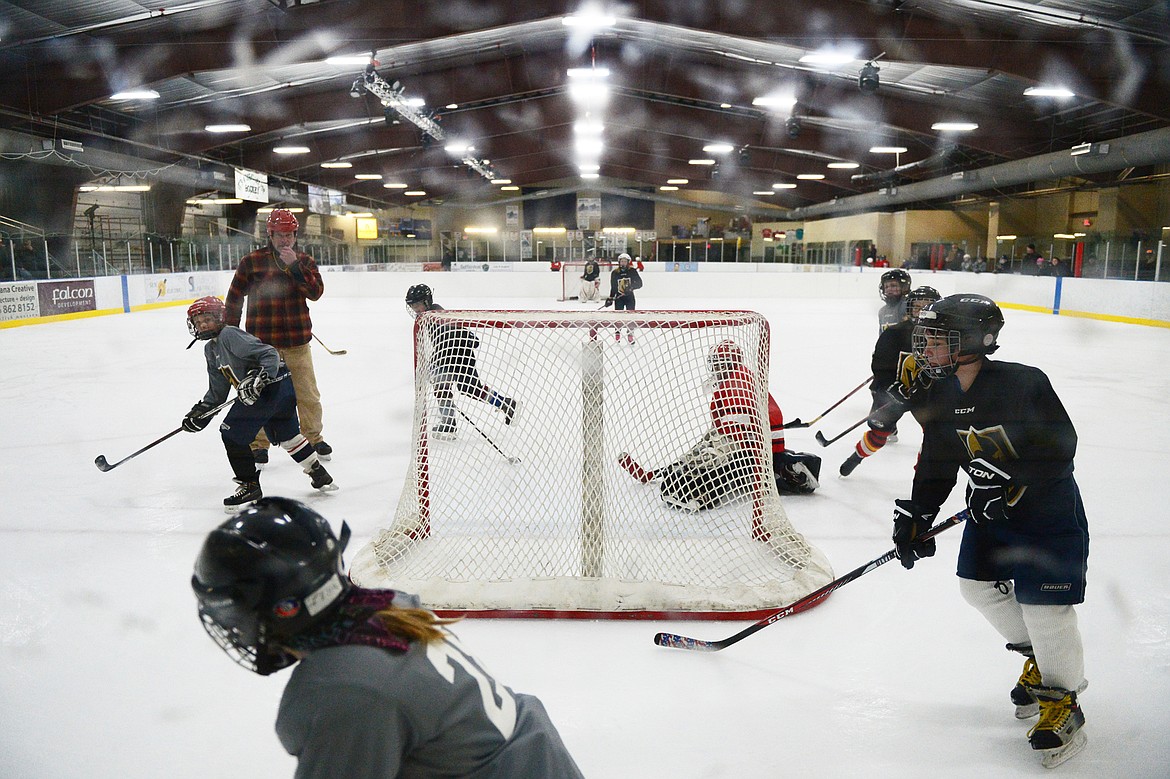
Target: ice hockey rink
{"points": [[107, 672]]}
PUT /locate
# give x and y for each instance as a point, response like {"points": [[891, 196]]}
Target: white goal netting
{"points": [[539, 515], [571, 272]]}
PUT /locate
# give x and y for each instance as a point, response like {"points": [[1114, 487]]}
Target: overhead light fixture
{"points": [[725, 105], [589, 20], [549, 230], [348, 59], [509, 189], [810, 176], [888, 150], [764, 192], [1005, 237], [829, 57], [588, 127], [416, 102], [368, 176], [228, 128], [268, 210], [784, 186], [215, 201], [589, 146], [843, 165], [678, 181], [668, 189], [617, 230], [395, 185], [480, 230], [135, 94], [1066, 236], [360, 215], [291, 150], [954, 127], [774, 101], [868, 80], [588, 167], [414, 193], [718, 148], [1081, 148], [590, 175], [459, 147], [336, 164], [588, 91], [701, 162], [588, 73], [451, 106], [501, 181], [1042, 91]]}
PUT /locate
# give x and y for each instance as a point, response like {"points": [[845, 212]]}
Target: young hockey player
{"points": [[590, 280], [454, 366], [623, 281], [893, 288], [380, 686], [1024, 554], [264, 400], [725, 463], [889, 354]]}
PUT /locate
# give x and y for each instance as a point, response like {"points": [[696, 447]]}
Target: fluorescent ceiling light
{"points": [[291, 150], [368, 176], [459, 147], [678, 181], [700, 162], [501, 181], [888, 150], [586, 127], [829, 57], [588, 92], [417, 102], [954, 127], [774, 101], [135, 94], [1049, 92], [336, 164], [590, 175], [213, 201], [1005, 237], [131, 188], [480, 230], [718, 148], [668, 189], [228, 128], [764, 192], [588, 73], [414, 192], [451, 106], [509, 189], [1063, 235], [268, 210], [589, 146], [843, 165], [590, 20], [725, 105], [348, 59], [588, 167], [783, 186], [810, 176], [395, 185], [549, 230], [1081, 148]]}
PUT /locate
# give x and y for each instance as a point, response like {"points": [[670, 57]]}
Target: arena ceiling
{"points": [[682, 74]]}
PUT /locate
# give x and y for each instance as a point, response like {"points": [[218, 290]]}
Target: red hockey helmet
{"points": [[207, 305], [725, 356], [281, 220]]}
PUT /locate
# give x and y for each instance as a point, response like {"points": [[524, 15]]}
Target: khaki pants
{"points": [[299, 360]]}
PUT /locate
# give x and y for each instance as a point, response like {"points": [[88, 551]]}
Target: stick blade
{"points": [[102, 464], [821, 439], [675, 641]]}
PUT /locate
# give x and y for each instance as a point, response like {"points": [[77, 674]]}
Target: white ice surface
{"points": [[107, 673]]}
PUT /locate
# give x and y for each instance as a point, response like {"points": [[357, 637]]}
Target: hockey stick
{"points": [[512, 460], [644, 475], [326, 348], [826, 441], [675, 641], [104, 465], [796, 423]]}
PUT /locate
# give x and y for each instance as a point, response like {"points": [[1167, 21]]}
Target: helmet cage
{"points": [[898, 275], [921, 340]]}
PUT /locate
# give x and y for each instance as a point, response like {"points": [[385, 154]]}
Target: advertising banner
{"points": [[66, 297], [168, 287], [19, 301]]}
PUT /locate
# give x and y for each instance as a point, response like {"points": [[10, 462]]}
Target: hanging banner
{"points": [[251, 185], [587, 208], [512, 215], [526, 244]]}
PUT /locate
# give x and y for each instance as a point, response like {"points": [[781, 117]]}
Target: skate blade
{"points": [[1053, 757], [330, 487], [1027, 712]]}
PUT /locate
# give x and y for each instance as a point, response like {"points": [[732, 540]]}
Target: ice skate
{"points": [[630, 336], [321, 478], [1059, 734], [850, 464], [1022, 694], [247, 492], [324, 451], [509, 409], [445, 430]]}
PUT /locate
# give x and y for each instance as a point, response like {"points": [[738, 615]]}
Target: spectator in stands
{"points": [[1033, 260], [27, 266], [278, 281]]}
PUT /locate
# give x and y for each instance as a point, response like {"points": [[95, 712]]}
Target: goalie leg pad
{"points": [[797, 473]]}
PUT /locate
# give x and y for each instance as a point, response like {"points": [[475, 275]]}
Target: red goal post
{"points": [[571, 272], [538, 518]]}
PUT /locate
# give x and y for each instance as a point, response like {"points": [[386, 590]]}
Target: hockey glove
{"points": [[252, 385], [987, 491], [909, 524], [608, 302], [195, 419]]}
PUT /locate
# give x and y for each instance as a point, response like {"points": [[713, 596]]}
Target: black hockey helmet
{"points": [[968, 324], [896, 275], [419, 293], [268, 573], [205, 305], [918, 299]]}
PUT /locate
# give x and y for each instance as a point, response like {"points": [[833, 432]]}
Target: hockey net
{"points": [[571, 272], [538, 518]]}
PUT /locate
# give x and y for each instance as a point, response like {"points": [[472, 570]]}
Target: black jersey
{"points": [[592, 271], [454, 348], [615, 279], [1010, 416], [892, 348]]}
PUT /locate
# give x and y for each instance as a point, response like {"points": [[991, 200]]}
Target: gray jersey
{"points": [[433, 711], [231, 356], [891, 314]]}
